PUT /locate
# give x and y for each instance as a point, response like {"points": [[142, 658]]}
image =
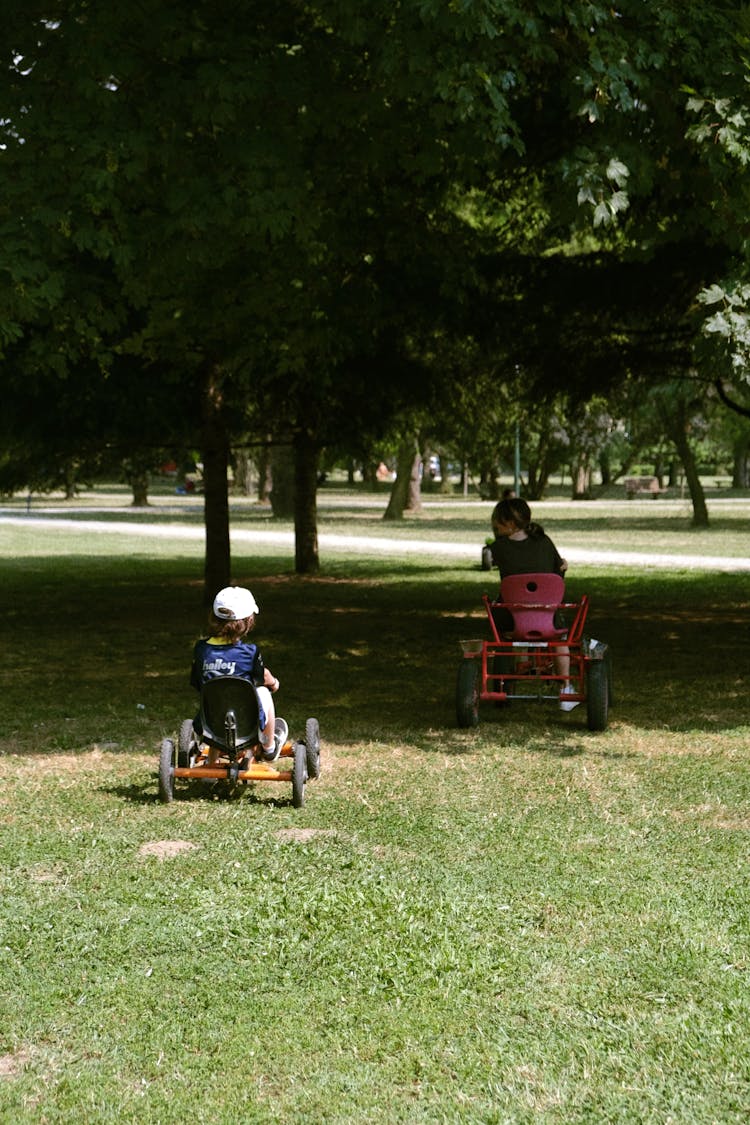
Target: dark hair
{"points": [[231, 630], [516, 511]]}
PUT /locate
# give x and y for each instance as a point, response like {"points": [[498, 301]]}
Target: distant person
{"points": [[521, 546], [227, 652], [508, 494]]}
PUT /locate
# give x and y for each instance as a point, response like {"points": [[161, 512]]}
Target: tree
{"points": [[405, 491], [279, 202]]}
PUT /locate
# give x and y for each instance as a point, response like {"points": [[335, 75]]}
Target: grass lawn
{"points": [[526, 922]]}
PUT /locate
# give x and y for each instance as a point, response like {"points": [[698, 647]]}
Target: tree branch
{"points": [[736, 406]]}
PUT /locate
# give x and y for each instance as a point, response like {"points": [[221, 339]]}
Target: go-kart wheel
{"points": [[610, 678], [467, 693], [312, 744], [166, 771], [186, 743], [299, 775], [486, 558], [597, 695]]}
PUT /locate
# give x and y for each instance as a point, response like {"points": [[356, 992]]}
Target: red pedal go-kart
{"points": [[529, 641], [228, 746]]}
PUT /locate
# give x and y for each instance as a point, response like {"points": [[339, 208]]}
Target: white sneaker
{"points": [[280, 735], [567, 704]]}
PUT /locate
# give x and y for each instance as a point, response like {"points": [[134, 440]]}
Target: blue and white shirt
{"points": [[214, 657]]}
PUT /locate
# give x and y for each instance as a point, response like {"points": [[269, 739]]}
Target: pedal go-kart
{"points": [[518, 662], [229, 748]]}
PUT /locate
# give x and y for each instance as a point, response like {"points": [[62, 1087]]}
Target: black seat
{"points": [[229, 713]]}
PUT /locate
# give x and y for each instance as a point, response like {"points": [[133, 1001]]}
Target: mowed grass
{"points": [[662, 526], [522, 922]]}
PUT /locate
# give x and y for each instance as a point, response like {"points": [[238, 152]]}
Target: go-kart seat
{"points": [[533, 600], [229, 713]]}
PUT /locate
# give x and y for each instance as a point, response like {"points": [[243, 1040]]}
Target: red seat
{"points": [[532, 600]]}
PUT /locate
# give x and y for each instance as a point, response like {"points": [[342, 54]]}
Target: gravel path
{"points": [[364, 544]]}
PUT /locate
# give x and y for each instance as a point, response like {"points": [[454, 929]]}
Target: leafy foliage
{"points": [[321, 205]]}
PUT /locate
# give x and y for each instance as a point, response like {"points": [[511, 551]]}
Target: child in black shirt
{"points": [[521, 547]]}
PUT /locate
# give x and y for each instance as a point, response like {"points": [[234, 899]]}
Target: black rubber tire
{"points": [[312, 744], [186, 743], [597, 695], [610, 677], [486, 558], [467, 693], [166, 771], [299, 775]]}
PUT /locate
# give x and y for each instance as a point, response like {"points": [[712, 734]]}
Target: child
{"points": [[227, 653], [521, 547]]}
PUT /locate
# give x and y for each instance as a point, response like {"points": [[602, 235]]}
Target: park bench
{"points": [[642, 486]]}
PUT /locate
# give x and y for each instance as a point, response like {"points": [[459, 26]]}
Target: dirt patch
{"points": [[166, 849], [303, 835], [711, 816], [12, 1065]]}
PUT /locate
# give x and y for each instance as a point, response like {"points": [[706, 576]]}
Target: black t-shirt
{"points": [[534, 555]]}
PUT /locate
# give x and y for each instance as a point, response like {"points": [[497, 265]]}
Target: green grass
{"points": [[520, 923]]}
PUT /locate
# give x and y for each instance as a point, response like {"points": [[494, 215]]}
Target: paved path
{"points": [[369, 544]]}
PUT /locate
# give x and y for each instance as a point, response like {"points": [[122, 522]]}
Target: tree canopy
{"points": [[298, 207]]}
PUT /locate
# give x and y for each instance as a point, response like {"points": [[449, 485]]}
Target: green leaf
{"points": [[617, 171], [602, 214], [712, 295]]}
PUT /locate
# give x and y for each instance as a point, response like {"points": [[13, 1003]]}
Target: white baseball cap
{"points": [[234, 603]]}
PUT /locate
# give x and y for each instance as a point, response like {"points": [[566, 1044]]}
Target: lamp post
{"points": [[517, 463]]}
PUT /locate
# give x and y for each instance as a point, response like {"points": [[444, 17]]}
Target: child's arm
{"points": [[270, 681]]}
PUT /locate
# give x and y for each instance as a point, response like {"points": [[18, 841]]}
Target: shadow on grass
{"points": [[370, 647], [555, 750], [208, 792]]}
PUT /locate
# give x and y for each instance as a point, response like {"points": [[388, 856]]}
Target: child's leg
{"points": [[562, 666], [562, 662], [267, 732]]}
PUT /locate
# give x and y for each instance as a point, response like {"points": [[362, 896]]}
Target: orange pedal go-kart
{"points": [[228, 746], [531, 644]]}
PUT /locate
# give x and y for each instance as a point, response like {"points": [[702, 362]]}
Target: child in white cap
{"points": [[227, 652]]}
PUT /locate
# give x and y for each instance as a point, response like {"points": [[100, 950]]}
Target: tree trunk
{"points": [[741, 463], [489, 485], [538, 474], [69, 479], [414, 494], [139, 484], [370, 475], [402, 496], [265, 481], [135, 471], [445, 487], [282, 493], [306, 458], [679, 432], [243, 472], [581, 476], [217, 569], [605, 468]]}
